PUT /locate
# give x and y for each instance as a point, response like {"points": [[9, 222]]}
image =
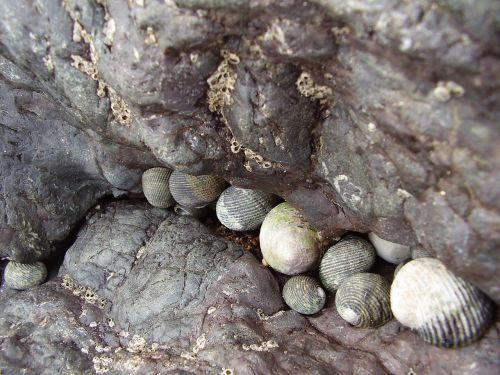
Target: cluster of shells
{"points": [[442, 308], [425, 296]]}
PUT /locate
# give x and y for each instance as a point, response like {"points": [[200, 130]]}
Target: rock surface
{"points": [[374, 116], [140, 291]]}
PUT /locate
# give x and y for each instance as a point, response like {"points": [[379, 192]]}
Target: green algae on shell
{"points": [[287, 241], [23, 276], [304, 295], [195, 191]]}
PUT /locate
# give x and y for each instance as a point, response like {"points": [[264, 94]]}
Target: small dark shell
{"points": [[155, 187], [195, 191], [199, 213], [244, 209], [22, 276], [444, 309], [363, 300], [304, 295], [347, 257]]}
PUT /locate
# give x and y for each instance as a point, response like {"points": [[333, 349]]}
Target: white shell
{"points": [[389, 251], [287, 241], [445, 310]]}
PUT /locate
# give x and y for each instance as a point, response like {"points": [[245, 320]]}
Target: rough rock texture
{"points": [[369, 116], [178, 299]]}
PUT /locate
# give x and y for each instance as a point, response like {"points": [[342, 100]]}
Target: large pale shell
{"points": [[363, 300], [304, 294], [22, 276], [195, 191], [155, 187], [244, 209], [347, 257], [288, 243], [445, 310], [389, 251]]}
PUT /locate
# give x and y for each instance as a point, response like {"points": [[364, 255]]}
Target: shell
{"points": [[363, 300], [195, 191], [244, 209], [419, 252], [400, 265], [304, 294], [445, 310], [155, 187], [389, 251], [347, 257], [198, 213], [288, 243], [22, 276]]}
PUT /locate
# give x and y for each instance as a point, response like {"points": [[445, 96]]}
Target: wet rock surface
{"points": [[177, 299], [378, 116]]}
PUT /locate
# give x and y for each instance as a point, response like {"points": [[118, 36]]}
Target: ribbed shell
{"points": [[347, 257], [195, 191], [389, 251], [199, 213], [304, 294], [288, 243], [22, 276], [445, 310], [155, 187], [244, 209], [363, 300]]}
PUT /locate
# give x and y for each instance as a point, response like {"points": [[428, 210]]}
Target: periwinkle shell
{"points": [[304, 295], [22, 276], [155, 187], [363, 300], [351, 255], [389, 251], [195, 191], [287, 241], [244, 209], [444, 309]]}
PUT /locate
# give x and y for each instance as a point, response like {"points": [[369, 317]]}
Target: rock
{"points": [[180, 300], [335, 106]]}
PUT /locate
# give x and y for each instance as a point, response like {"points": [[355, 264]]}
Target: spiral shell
{"points": [[304, 294], [445, 310], [288, 243], [22, 276], [347, 257], [363, 300], [155, 187], [244, 209], [195, 191], [389, 251]]}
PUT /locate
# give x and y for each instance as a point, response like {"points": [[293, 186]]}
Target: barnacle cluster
{"points": [[119, 107], [222, 82], [236, 147], [87, 294], [306, 87], [264, 346]]}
